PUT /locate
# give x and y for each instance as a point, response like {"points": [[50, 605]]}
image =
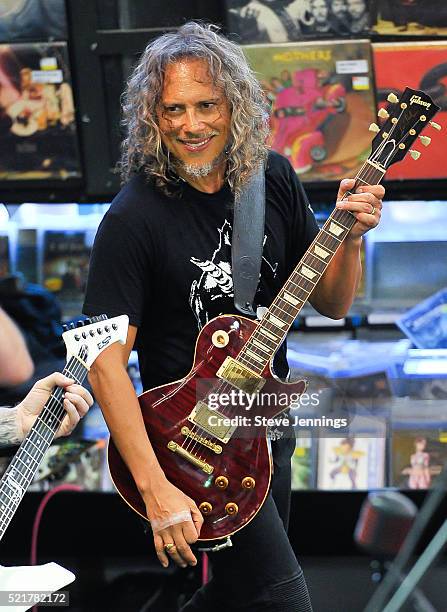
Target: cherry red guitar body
{"points": [[247, 454]]}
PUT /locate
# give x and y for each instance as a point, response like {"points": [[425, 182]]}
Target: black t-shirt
{"points": [[166, 262]]}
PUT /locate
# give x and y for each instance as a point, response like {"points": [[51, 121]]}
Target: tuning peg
{"points": [[425, 140], [414, 154], [383, 114], [374, 127], [392, 98], [435, 125]]}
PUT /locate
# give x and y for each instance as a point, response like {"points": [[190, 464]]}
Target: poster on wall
{"points": [[418, 454], [423, 66], [277, 21], [303, 461], [66, 257], [31, 20], [410, 17], [351, 463], [38, 139], [322, 101]]}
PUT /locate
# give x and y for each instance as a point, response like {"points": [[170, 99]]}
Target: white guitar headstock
{"points": [[94, 335]]}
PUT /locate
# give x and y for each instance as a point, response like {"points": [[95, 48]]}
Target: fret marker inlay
{"points": [[320, 252], [289, 298], [276, 322], [308, 273], [268, 334], [335, 229], [261, 346]]}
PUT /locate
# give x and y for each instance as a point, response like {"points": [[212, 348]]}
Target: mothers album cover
{"points": [[322, 104]]}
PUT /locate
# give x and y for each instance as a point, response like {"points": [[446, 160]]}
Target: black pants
{"points": [[260, 572]]}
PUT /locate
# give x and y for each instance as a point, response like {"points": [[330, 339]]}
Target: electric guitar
{"points": [[83, 344], [195, 424]]}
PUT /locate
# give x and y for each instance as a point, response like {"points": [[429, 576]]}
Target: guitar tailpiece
{"points": [[227, 544]]}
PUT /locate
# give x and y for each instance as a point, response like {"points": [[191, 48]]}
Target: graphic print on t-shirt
{"points": [[216, 281]]}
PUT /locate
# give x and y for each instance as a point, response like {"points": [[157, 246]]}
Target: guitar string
{"points": [[192, 444], [23, 485], [370, 173]]}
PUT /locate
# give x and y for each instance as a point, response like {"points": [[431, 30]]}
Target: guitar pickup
{"points": [[239, 376], [212, 422]]}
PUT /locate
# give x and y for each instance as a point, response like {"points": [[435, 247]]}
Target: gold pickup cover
{"points": [[212, 421], [239, 376]]}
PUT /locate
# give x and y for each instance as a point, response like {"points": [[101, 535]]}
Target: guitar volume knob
{"points": [[205, 508], [248, 482], [221, 482], [231, 509]]}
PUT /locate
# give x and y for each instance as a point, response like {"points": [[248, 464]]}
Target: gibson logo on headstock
{"points": [[104, 342], [417, 100]]}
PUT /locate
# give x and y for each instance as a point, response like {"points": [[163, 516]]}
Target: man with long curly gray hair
{"points": [[197, 126]]}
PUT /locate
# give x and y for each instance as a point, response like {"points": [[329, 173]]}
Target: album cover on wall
{"points": [[351, 463], [322, 104], [66, 257], [31, 20], [277, 21], [304, 461], [423, 66], [38, 139], [26, 254], [4, 256], [410, 17], [419, 451]]}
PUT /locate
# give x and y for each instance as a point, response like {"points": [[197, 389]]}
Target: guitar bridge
{"points": [[203, 465], [188, 433]]}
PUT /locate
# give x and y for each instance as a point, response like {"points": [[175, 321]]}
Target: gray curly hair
{"points": [[142, 148]]}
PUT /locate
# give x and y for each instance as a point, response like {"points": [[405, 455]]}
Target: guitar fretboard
{"points": [[277, 320], [28, 457]]}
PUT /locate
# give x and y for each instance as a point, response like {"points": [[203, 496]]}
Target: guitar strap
{"points": [[247, 241]]}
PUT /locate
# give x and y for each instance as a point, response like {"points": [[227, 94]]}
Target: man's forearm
{"points": [[9, 430], [16, 365], [119, 404], [335, 292]]}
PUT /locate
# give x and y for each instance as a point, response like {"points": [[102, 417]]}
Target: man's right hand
{"points": [[164, 504]]}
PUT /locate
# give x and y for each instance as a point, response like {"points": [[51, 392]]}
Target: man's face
{"points": [[356, 8], [338, 7], [319, 10], [193, 115]]}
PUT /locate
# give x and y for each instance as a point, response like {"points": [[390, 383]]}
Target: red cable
{"points": [[45, 499]]}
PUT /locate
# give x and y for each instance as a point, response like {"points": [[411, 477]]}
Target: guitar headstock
{"points": [[92, 336], [404, 121]]}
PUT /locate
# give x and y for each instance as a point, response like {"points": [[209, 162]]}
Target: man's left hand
{"points": [[365, 205], [77, 401]]}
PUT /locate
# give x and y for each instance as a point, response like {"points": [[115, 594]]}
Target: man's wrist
{"points": [[147, 486]]}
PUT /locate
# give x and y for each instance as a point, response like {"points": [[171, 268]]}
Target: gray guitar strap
{"points": [[247, 241]]}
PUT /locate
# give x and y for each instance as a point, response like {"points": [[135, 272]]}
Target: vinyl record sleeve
{"points": [[410, 17], [322, 104], [38, 138], [418, 452], [65, 267], [351, 463], [22, 20], [423, 66], [277, 21]]}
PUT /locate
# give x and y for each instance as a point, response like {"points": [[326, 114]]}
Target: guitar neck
{"points": [[26, 461], [277, 320]]}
